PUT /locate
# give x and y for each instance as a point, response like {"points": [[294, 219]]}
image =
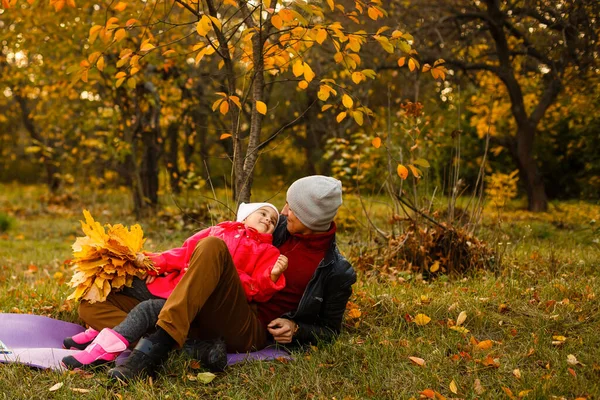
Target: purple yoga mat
{"points": [[36, 341]]}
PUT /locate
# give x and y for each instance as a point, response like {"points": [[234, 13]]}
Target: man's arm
{"points": [[327, 325]]}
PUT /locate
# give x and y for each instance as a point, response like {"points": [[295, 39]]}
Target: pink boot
{"points": [[81, 340], [104, 349]]}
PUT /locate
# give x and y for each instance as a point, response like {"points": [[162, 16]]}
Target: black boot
{"points": [[211, 353], [143, 361]]}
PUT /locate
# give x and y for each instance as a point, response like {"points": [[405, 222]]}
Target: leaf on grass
{"points": [[428, 393], [508, 392], [422, 319], [572, 360], [80, 390], [453, 387], [517, 373], [572, 372], [461, 318], [206, 377], [484, 345], [477, 387], [417, 360], [55, 387], [354, 313], [460, 329]]}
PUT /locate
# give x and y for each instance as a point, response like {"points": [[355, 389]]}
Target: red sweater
{"points": [[253, 255], [304, 253]]}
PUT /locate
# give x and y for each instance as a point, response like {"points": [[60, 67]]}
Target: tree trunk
{"points": [[521, 150]]}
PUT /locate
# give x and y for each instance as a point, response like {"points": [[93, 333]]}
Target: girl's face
{"points": [[263, 220]]}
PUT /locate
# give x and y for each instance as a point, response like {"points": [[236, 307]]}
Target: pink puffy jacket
{"points": [[253, 255]]}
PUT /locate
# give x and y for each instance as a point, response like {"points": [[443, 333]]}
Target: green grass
{"points": [[548, 286]]}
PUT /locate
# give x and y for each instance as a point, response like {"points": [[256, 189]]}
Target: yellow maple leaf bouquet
{"points": [[105, 260]]}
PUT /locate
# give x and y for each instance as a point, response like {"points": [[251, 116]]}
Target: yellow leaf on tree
{"points": [[358, 117], [224, 136], [224, 107], [435, 266], [302, 84], [422, 319], [298, 68], [376, 142], [120, 34], [100, 63], [331, 4], [340, 117], [347, 101], [146, 46], [402, 171], [277, 21], [120, 6], [261, 107]]}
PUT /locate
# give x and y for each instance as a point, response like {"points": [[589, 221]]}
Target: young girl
{"points": [[259, 264]]}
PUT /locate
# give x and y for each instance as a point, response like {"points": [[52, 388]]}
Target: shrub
{"points": [[6, 222]]}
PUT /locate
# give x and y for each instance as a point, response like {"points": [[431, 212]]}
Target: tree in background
{"points": [[523, 54]]}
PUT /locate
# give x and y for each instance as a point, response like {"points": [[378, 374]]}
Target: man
{"points": [[209, 301]]}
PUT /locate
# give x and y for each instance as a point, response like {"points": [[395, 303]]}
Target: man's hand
{"points": [[282, 330], [280, 266]]}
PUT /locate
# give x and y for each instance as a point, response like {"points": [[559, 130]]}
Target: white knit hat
{"points": [[315, 200], [246, 209]]}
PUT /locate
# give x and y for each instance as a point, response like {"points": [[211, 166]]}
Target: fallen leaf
{"points": [[354, 313], [572, 360], [417, 360], [572, 372], [422, 319], [461, 318], [477, 387], [508, 392], [427, 393], [453, 387], [517, 373], [194, 364], [79, 390], [485, 345], [206, 377], [460, 329], [524, 393], [55, 387]]}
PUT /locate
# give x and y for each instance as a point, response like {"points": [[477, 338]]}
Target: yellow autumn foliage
{"points": [[104, 260]]}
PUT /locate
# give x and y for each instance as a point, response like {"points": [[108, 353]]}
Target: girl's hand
{"points": [[150, 279], [139, 260], [280, 266]]}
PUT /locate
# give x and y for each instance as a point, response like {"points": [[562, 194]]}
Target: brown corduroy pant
{"points": [[208, 302]]}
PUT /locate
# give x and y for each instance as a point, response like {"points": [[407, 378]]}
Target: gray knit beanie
{"points": [[315, 201]]}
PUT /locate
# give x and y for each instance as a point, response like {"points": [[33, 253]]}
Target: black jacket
{"points": [[321, 309]]}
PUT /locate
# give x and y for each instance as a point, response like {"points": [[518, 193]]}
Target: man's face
{"points": [[263, 220], [293, 223]]}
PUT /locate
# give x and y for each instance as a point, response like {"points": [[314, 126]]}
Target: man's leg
{"points": [[210, 295]]}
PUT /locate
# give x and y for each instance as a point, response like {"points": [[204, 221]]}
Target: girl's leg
{"points": [[140, 319]]}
